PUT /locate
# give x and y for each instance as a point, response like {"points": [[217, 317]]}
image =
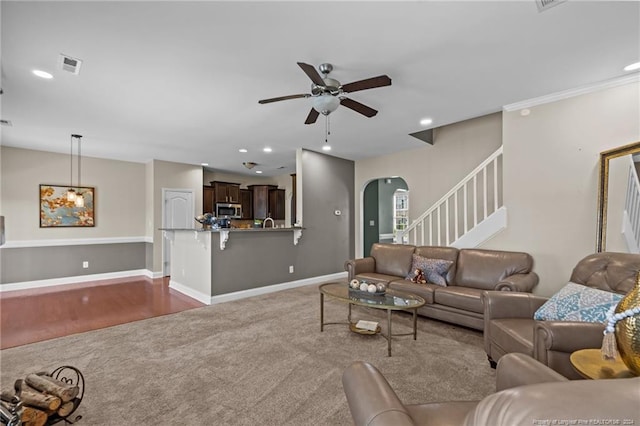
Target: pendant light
{"points": [[79, 197], [71, 193]]}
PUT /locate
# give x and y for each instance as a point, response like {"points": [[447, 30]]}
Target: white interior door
{"points": [[177, 212]]}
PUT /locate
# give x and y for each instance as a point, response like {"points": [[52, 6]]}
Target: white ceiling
{"points": [[179, 81]]}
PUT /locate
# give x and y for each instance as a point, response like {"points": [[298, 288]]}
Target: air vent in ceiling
{"points": [[67, 63], [546, 4], [6, 123]]}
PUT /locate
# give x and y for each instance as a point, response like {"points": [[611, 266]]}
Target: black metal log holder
{"points": [[72, 376]]}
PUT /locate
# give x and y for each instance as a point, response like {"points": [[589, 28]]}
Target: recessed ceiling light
{"points": [[42, 74], [267, 149], [326, 147], [243, 150], [204, 164], [259, 172], [426, 121], [632, 67]]}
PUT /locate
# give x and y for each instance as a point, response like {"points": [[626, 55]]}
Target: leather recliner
{"points": [[528, 393], [509, 325]]}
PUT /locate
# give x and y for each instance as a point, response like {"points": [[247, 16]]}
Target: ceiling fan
{"points": [[328, 93]]}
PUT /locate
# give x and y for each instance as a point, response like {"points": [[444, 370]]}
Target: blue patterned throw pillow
{"points": [[575, 302], [434, 270]]}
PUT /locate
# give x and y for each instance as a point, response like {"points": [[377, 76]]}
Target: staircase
{"points": [[466, 216], [631, 213]]}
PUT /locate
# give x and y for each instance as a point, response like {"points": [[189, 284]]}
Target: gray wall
{"points": [[328, 240], [40, 263], [253, 259]]}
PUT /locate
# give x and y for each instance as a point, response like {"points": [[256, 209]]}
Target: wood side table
{"points": [[590, 365]]}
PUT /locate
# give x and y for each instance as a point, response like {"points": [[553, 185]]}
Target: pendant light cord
{"points": [[79, 159], [71, 161]]}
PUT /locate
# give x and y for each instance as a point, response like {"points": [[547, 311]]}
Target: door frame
{"points": [[165, 270]]}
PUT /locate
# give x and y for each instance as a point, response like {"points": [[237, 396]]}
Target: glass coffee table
{"points": [[392, 300]]}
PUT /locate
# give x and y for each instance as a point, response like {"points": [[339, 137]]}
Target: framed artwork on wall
{"points": [[56, 211]]}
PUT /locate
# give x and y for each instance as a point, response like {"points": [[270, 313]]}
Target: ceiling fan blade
{"points": [[310, 70], [369, 83], [312, 117], [358, 107], [283, 98]]}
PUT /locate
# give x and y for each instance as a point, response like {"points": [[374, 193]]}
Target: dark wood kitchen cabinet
{"points": [[208, 203], [260, 197], [276, 203], [226, 192], [247, 204]]}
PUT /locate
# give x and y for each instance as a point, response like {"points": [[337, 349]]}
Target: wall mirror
{"points": [[612, 187]]}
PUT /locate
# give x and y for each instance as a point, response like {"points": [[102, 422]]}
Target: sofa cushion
{"points": [[478, 268], [512, 334], [469, 299], [423, 290], [575, 302], [446, 253], [392, 259], [434, 270]]}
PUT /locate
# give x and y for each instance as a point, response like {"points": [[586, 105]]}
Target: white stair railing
{"points": [[474, 199], [631, 219]]}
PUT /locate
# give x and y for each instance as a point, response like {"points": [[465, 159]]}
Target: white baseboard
{"points": [[27, 285], [188, 291], [275, 287]]}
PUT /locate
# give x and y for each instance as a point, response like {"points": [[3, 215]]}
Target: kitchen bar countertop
{"points": [[224, 232], [296, 228]]}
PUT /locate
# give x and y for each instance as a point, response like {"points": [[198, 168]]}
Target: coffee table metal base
{"points": [[387, 336]]}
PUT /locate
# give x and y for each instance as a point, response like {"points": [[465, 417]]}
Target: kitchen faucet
{"points": [[264, 223]]}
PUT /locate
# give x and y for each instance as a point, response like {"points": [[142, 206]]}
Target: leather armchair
{"points": [[528, 393], [509, 325]]}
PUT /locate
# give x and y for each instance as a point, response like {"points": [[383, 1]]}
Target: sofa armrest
{"points": [[518, 282], [359, 266], [371, 399], [555, 341], [517, 369], [568, 336], [500, 304]]}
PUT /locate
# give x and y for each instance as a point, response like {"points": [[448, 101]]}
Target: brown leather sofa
{"points": [[528, 393], [510, 327], [473, 271]]}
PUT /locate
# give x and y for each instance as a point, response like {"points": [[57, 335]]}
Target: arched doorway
{"points": [[380, 215]]}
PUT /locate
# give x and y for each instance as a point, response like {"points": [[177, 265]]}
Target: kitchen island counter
{"points": [[213, 265]]}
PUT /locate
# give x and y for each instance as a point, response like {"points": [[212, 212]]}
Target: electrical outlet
{"points": [[85, 264], [291, 269]]}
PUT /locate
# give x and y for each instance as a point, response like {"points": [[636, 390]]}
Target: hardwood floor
{"points": [[28, 316]]}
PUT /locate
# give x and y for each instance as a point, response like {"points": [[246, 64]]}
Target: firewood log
{"points": [[33, 417], [66, 392], [66, 409], [34, 398]]}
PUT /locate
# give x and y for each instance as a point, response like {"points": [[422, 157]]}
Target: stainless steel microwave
{"points": [[232, 211]]}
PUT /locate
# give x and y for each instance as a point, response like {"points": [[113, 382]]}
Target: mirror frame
{"points": [[603, 190]]}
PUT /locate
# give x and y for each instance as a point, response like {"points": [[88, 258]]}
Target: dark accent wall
{"points": [[148, 256], [39, 263], [370, 211], [328, 240]]}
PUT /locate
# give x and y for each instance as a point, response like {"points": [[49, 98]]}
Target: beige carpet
{"points": [[257, 361]]}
